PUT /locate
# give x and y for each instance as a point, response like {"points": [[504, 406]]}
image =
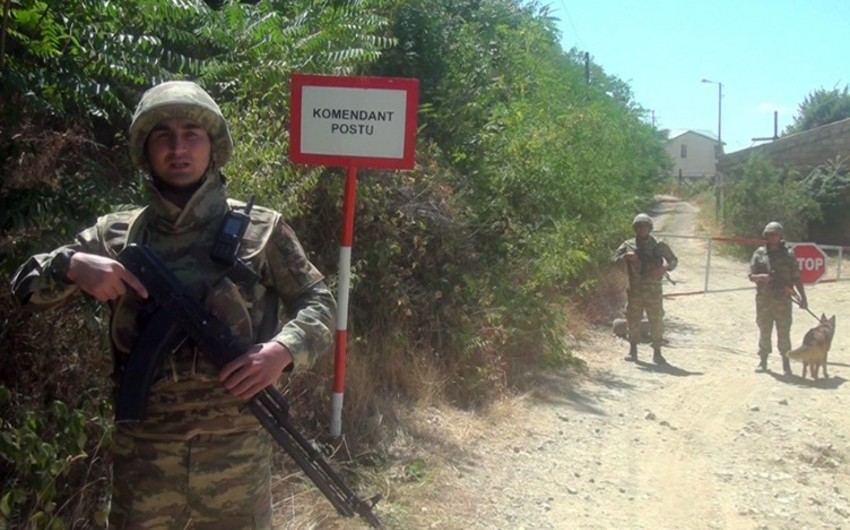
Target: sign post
{"points": [[812, 261], [351, 122]]}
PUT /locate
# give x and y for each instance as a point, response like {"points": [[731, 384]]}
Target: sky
{"points": [[768, 55]]}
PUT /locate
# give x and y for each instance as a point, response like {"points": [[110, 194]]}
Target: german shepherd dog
{"points": [[816, 343]]}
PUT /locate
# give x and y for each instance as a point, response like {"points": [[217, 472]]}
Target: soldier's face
{"points": [[642, 230], [178, 151], [773, 238]]}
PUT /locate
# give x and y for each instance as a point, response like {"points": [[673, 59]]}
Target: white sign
{"points": [[353, 121]]}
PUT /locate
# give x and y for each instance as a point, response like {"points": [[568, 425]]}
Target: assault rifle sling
{"points": [[179, 317]]}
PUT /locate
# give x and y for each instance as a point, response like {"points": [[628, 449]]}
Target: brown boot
{"points": [[657, 358]]}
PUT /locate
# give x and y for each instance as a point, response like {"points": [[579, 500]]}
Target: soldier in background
{"points": [[199, 459], [648, 261], [774, 270]]}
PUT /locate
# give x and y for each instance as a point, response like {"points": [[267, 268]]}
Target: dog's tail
{"points": [[803, 353]]}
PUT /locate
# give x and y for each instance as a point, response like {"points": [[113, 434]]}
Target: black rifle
{"points": [[180, 317], [643, 259]]}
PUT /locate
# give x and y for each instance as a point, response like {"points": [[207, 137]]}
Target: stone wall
{"points": [[802, 151]]}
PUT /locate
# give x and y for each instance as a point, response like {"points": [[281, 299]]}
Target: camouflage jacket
{"points": [[188, 399], [782, 266], [651, 253]]}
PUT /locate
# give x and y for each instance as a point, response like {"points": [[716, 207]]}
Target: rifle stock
{"points": [[215, 340]]}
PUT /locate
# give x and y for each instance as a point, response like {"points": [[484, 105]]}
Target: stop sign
{"points": [[812, 261]]}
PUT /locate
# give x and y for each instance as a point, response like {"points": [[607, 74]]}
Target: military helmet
{"points": [[642, 218], [772, 227], [179, 99]]}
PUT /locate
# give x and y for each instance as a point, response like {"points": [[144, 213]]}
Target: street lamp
{"points": [[719, 108], [719, 217]]}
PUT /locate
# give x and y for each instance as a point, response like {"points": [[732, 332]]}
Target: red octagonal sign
{"points": [[812, 261]]}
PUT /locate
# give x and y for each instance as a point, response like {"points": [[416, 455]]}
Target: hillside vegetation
{"points": [[530, 165]]}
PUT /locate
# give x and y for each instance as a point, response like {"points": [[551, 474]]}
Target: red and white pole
{"points": [[346, 239]]}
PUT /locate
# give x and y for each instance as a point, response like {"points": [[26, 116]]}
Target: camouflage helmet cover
{"points": [[179, 99], [642, 218], [772, 227]]}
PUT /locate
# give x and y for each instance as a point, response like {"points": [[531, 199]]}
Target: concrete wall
{"points": [[699, 155], [802, 151]]}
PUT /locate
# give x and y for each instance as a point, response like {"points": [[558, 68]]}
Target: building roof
{"points": [[675, 133]]}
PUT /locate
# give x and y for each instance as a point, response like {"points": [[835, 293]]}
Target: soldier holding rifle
{"points": [[199, 458], [647, 260]]}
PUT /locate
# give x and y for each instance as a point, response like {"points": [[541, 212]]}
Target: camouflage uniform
{"points": [[773, 303], [645, 293], [199, 459]]}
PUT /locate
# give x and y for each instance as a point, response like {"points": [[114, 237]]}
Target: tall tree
{"points": [[821, 107]]}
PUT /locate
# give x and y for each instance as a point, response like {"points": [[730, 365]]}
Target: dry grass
{"points": [[411, 440]]}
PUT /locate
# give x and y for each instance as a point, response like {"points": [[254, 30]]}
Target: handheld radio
{"points": [[229, 235]]}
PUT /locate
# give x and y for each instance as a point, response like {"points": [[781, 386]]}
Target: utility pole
{"points": [[775, 129], [719, 110]]}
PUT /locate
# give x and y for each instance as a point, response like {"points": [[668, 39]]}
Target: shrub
{"points": [[759, 193]]}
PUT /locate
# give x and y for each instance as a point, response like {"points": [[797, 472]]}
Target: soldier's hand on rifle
{"points": [[656, 273], [632, 257], [255, 369], [101, 277]]}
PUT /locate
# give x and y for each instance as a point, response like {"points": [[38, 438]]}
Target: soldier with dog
{"points": [[774, 270]]}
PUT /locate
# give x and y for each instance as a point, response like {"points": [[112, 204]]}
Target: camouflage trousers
{"points": [[645, 297], [210, 482], [772, 310]]}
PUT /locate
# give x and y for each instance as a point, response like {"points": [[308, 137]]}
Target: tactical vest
{"points": [[782, 267], [187, 398], [649, 258]]}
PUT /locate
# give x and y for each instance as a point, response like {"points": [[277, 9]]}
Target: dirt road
{"points": [[705, 443]]}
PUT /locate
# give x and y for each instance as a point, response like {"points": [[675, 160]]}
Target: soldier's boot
{"points": [[632, 356], [657, 358], [786, 365], [762, 366]]}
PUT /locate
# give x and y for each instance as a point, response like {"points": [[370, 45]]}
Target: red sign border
{"points": [[815, 245], [409, 85]]}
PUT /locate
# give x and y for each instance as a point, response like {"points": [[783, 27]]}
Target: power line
{"points": [[572, 25]]}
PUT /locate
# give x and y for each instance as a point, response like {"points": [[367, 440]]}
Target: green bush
{"points": [[759, 193], [42, 454], [829, 185]]}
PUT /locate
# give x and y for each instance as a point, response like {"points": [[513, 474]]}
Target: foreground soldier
{"points": [[774, 270], [199, 459], [648, 260]]}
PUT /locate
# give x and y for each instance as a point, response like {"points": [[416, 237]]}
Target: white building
{"points": [[694, 153]]}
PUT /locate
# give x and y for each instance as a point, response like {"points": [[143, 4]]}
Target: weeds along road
{"points": [[704, 443]]}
